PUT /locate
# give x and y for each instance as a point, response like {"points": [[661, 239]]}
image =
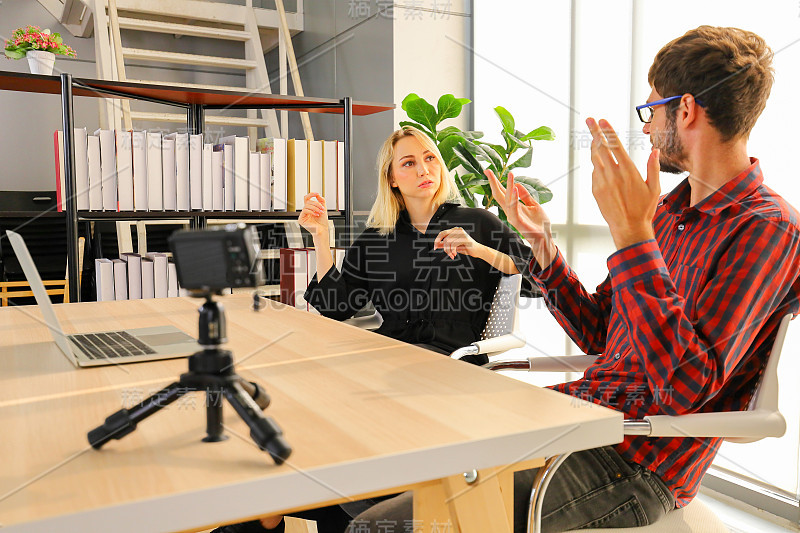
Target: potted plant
{"points": [[39, 46], [465, 151]]}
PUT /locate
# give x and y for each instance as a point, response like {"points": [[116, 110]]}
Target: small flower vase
{"points": [[41, 62]]}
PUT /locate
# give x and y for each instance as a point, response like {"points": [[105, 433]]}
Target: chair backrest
{"points": [[10, 290], [765, 396], [760, 420], [504, 314], [766, 393]]}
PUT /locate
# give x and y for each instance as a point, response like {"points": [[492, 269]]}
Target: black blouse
{"points": [[423, 296]]}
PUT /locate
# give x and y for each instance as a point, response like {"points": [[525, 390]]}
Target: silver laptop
{"points": [[103, 348]]}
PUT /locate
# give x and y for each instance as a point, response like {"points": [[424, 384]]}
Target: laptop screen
{"points": [[39, 292]]}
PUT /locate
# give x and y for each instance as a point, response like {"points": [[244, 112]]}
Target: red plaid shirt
{"points": [[684, 323]]}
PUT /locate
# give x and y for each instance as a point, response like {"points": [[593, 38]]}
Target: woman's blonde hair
{"points": [[389, 202]]}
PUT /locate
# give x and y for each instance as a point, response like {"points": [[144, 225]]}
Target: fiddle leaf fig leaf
{"points": [[420, 127], [420, 111], [472, 135], [446, 149], [467, 159], [506, 118], [543, 194], [542, 133], [447, 132], [494, 157], [524, 161], [513, 142], [449, 106]]}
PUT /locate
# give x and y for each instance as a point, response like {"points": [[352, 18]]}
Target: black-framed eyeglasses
{"points": [[645, 111]]}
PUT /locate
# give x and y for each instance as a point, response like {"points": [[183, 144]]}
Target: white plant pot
{"points": [[41, 62]]}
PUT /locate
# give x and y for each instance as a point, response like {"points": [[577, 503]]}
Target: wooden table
{"points": [[365, 415]]}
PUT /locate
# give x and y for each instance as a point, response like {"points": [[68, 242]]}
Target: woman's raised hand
{"points": [[456, 241], [314, 216]]}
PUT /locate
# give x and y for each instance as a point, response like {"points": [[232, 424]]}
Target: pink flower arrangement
{"points": [[35, 38]]}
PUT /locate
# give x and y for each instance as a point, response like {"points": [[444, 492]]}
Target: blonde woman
{"points": [[429, 266]]}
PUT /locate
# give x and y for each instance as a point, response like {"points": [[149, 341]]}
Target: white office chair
{"points": [[761, 419], [501, 333]]}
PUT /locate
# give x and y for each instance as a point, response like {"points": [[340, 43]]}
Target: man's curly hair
{"points": [[728, 69]]}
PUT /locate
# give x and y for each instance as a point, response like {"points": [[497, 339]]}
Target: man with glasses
{"points": [[697, 287]]}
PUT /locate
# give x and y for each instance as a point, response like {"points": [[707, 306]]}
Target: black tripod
{"points": [[210, 370]]}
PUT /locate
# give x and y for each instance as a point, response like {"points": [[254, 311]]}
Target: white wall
{"points": [[432, 45]]}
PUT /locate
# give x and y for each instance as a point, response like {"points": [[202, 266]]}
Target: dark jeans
{"points": [[592, 489]]}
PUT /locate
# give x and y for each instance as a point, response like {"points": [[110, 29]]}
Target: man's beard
{"points": [[672, 154]]}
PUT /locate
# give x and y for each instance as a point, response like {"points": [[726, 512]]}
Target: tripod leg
{"points": [[263, 430], [256, 392], [124, 421], [214, 431]]}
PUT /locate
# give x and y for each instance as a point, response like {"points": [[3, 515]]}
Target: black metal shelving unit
{"points": [[195, 102]]}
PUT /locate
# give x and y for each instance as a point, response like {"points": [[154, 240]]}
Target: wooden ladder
{"points": [[169, 17], [74, 15]]}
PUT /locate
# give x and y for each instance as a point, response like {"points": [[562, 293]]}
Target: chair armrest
{"points": [[509, 364], [499, 344], [490, 346], [562, 363], [371, 322], [735, 426]]}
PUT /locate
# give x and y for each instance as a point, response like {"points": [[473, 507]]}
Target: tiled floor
{"points": [[751, 520]]}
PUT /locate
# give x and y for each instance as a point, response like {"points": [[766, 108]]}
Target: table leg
{"points": [[506, 479], [298, 525], [451, 505], [432, 512], [505, 476]]}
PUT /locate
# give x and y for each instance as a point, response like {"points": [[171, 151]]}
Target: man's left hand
{"points": [[626, 202]]}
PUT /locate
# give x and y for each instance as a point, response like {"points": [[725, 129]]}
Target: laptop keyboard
{"points": [[111, 344]]}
